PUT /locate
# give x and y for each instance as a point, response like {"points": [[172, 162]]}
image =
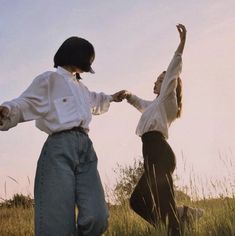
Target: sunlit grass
{"points": [[16, 222], [218, 219]]}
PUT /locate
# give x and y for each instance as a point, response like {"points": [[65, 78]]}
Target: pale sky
{"points": [[134, 41]]}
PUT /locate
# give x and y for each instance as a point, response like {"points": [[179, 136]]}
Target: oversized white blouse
{"points": [[157, 115], [57, 101]]}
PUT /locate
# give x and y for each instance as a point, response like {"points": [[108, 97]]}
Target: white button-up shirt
{"points": [[157, 115], [57, 101]]}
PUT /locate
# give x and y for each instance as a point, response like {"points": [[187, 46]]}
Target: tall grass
{"points": [[218, 220], [16, 221]]}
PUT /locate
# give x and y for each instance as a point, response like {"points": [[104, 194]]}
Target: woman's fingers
{"points": [[119, 96], [182, 27], [182, 30]]}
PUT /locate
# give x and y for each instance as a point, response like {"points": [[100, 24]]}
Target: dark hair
{"points": [[179, 96], [75, 51]]}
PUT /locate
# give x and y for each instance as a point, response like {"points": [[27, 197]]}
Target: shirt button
{"points": [[64, 100]]}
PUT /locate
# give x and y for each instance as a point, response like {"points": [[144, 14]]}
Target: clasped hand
{"points": [[119, 96]]}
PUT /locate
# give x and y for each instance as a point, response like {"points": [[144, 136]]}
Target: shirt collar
{"points": [[60, 70]]}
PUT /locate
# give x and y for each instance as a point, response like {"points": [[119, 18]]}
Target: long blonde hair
{"points": [[179, 97]]}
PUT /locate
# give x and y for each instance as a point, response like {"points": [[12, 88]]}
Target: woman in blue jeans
{"points": [[67, 174], [153, 197]]}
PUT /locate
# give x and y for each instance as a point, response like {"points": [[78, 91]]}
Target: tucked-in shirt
{"points": [[157, 115], [57, 101]]}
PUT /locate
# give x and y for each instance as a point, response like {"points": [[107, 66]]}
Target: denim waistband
{"points": [[77, 128]]}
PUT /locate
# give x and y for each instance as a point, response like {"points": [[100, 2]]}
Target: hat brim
{"points": [[91, 71]]}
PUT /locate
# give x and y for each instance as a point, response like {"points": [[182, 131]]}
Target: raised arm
{"points": [[182, 32], [173, 71]]}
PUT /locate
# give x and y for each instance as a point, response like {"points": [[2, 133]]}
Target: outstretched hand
{"points": [[119, 96], [4, 112]]}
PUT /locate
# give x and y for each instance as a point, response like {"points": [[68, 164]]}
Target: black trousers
{"points": [[153, 197]]}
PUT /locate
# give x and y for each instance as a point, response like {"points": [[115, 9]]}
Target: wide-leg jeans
{"points": [[66, 177]]}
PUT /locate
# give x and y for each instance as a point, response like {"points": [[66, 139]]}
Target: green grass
{"points": [[219, 220]]}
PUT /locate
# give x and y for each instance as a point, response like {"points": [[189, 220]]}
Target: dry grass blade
{"points": [[13, 179], [28, 179]]}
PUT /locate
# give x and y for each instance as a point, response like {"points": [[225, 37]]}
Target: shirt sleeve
{"points": [[138, 103], [173, 71], [100, 102], [32, 104]]}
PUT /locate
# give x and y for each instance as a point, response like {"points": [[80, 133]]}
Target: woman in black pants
{"points": [[153, 197]]}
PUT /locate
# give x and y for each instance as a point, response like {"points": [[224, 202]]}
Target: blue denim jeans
{"points": [[66, 177]]}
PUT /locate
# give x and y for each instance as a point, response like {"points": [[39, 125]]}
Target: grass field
{"points": [[16, 221], [17, 214], [218, 220]]}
